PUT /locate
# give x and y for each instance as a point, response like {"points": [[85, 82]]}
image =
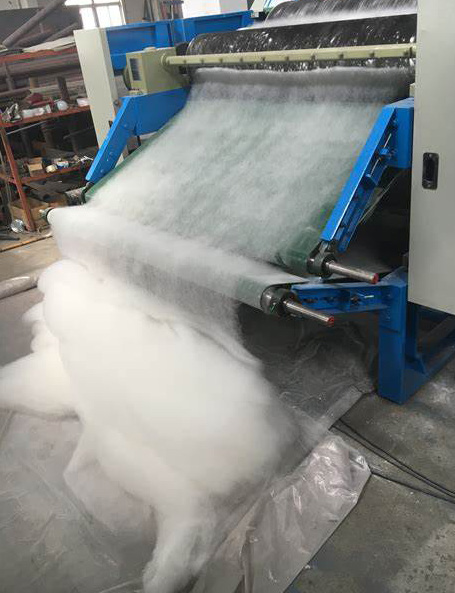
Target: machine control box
{"points": [[145, 71]]}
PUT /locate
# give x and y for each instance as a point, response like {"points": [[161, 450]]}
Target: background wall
{"points": [[8, 4], [134, 9], [200, 7]]}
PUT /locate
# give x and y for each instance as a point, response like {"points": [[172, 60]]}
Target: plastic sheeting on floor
{"points": [[50, 541]]}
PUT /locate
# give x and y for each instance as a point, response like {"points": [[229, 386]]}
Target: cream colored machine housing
{"points": [[147, 73], [432, 247], [99, 78], [157, 70]]}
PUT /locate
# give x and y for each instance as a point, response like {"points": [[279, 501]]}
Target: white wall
{"points": [[15, 4], [10, 4], [202, 7], [133, 10], [233, 5]]}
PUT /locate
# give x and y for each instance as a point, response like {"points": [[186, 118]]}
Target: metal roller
{"points": [[309, 8], [390, 30], [282, 302]]}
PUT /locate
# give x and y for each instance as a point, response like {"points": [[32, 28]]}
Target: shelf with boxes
{"points": [[37, 170]]}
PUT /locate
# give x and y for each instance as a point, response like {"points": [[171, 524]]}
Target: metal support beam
{"points": [[406, 361], [325, 54], [29, 222]]}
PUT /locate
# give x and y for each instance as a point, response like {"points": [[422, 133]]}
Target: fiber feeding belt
{"points": [[245, 176]]}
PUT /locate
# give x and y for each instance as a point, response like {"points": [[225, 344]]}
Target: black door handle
{"points": [[430, 170]]}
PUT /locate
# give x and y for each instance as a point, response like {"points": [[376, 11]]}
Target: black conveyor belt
{"points": [[302, 8], [367, 31]]}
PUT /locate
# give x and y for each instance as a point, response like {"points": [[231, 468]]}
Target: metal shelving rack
{"points": [[15, 177]]}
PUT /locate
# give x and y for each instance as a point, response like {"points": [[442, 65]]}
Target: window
{"points": [[99, 13]]}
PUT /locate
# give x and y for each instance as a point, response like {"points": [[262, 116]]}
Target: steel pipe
{"points": [[66, 31], [42, 66], [15, 93], [31, 23], [34, 38]]}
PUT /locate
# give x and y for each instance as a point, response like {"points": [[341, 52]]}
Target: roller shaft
{"points": [[296, 309], [333, 267], [281, 301], [325, 54]]}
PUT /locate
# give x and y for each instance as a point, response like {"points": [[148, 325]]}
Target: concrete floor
{"points": [[27, 258], [397, 540]]}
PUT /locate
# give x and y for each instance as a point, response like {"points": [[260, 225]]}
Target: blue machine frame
{"points": [[138, 36], [138, 115], [389, 145], [405, 361]]}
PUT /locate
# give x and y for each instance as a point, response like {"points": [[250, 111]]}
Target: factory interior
{"points": [[227, 311]]}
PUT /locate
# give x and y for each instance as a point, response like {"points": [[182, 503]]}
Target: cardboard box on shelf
{"points": [[35, 166], [35, 208]]}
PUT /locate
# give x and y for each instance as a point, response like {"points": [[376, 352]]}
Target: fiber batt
{"points": [[256, 161], [180, 422]]}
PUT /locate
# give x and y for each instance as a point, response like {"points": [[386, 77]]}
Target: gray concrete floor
{"points": [[27, 258], [397, 539]]}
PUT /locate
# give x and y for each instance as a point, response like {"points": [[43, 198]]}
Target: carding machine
{"points": [[405, 167]]}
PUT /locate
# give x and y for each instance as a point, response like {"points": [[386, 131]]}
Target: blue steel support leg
{"points": [[392, 343], [404, 364], [121, 131]]}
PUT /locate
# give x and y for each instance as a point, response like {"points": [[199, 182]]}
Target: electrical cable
{"points": [[389, 458], [379, 474], [376, 472], [399, 463]]}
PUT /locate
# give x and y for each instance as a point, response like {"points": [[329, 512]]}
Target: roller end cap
{"points": [[45, 214], [330, 321]]}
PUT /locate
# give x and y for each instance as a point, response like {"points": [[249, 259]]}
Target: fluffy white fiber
{"points": [[257, 159], [179, 422], [174, 411]]}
